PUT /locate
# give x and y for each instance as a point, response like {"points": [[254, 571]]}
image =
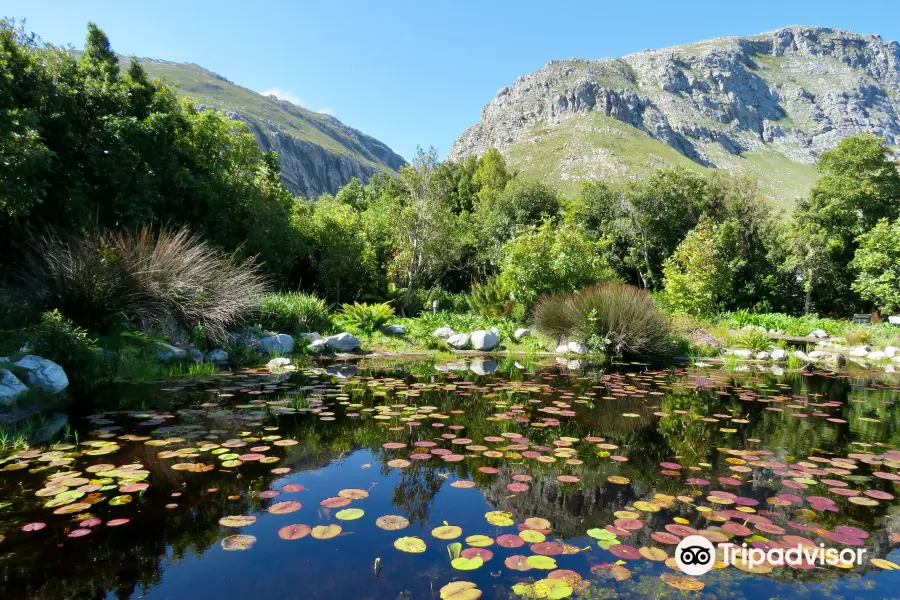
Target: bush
{"points": [[490, 299], [151, 280], [293, 312], [619, 319], [752, 339], [15, 313], [877, 262], [365, 317], [65, 343]]}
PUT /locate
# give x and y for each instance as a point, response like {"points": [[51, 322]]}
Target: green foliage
{"points": [[618, 319], [15, 311], [365, 317], [752, 339], [293, 312], [490, 299], [877, 262], [551, 259], [152, 281], [702, 269], [70, 346]]}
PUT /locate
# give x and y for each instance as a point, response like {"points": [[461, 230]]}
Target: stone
{"points": [[889, 368], [165, 351], [217, 356], [818, 333], [818, 354], [195, 354], [43, 374], [483, 366], [317, 347], [577, 348], [894, 319], [309, 337], [763, 355], [485, 340], [49, 429], [860, 351], [877, 355], [279, 364], [777, 371], [494, 330], [562, 349], [4, 359], [393, 329], [801, 355], [521, 333], [778, 354], [443, 332], [458, 340], [277, 344], [343, 342], [890, 351], [741, 353], [10, 387]]}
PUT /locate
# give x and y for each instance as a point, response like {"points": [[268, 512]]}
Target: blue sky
{"points": [[417, 72]]}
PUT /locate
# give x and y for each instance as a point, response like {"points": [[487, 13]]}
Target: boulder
{"points": [[43, 374], [10, 387], [309, 337], [889, 368], [778, 354], [495, 331], [889, 351], [877, 355], [195, 354], [801, 355], [49, 429], [165, 351], [741, 353], [562, 349], [818, 354], [521, 333], [279, 364], [217, 356], [458, 340], [777, 371], [483, 366], [443, 332], [343, 342], [317, 347], [485, 340], [277, 344], [818, 333], [860, 351], [763, 355], [577, 348], [393, 329]]}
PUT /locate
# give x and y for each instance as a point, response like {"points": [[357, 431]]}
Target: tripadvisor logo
{"points": [[695, 555]]}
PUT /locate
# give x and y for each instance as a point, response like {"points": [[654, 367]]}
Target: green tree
{"points": [[877, 264], [702, 269]]}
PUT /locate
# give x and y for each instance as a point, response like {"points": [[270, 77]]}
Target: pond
{"points": [[388, 480]]}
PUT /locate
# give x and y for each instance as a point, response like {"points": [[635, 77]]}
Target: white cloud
{"points": [[282, 95], [327, 111]]}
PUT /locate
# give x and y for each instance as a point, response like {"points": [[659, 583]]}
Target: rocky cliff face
{"points": [[796, 91], [319, 154]]}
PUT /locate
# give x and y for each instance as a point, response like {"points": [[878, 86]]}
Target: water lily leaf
{"points": [[349, 514], [460, 590], [284, 508], [238, 542], [410, 544], [294, 532], [447, 532], [392, 522], [467, 564], [500, 518], [683, 582], [353, 494], [542, 562], [531, 536], [325, 532]]}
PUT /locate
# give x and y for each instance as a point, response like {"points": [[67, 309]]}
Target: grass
{"points": [[294, 312]]}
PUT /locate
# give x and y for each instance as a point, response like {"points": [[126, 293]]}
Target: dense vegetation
{"points": [[100, 167]]}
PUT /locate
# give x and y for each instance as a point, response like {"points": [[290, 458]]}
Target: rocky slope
{"points": [[766, 105], [319, 154]]}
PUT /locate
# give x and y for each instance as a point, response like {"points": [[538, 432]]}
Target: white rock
{"points": [[195, 354], [217, 356], [573, 365], [485, 340], [742, 353], [778, 354], [818, 333], [309, 337], [317, 346], [168, 352], [889, 368], [817, 354], [577, 348], [763, 355], [520, 333], [278, 364], [393, 329], [877, 355], [10, 387], [801, 355], [896, 359], [860, 351], [494, 330], [894, 319], [458, 340], [43, 374], [777, 371], [483, 366], [562, 349], [277, 344], [343, 342], [443, 332], [889, 351]]}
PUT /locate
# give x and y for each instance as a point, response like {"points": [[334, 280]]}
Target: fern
{"points": [[489, 299], [366, 317]]}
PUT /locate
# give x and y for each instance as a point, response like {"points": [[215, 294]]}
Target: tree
{"points": [[702, 269], [877, 264], [429, 234], [548, 258]]}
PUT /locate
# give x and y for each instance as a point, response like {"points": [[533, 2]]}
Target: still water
{"points": [[389, 480]]}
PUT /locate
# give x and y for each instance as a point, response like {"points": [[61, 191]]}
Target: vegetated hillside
{"points": [[765, 105], [318, 153]]}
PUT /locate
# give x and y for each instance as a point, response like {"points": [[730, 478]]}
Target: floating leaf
{"points": [[392, 522], [467, 564], [349, 514], [325, 532], [410, 544], [284, 508], [460, 590], [447, 532], [238, 542], [294, 532]]}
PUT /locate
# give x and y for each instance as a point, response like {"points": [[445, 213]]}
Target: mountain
{"points": [[765, 105], [318, 153]]}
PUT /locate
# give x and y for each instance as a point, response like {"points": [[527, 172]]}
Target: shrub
{"points": [[616, 318], [752, 339], [877, 262], [293, 311], [366, 317], [65, 343], [151, 280], [489, 299], [14, 311]]}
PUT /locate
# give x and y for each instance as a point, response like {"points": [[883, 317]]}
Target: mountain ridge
{"points": [[766, 105]]}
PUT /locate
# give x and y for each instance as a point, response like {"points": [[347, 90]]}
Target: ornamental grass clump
{"points": [[150, 280], [618, 319]]}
